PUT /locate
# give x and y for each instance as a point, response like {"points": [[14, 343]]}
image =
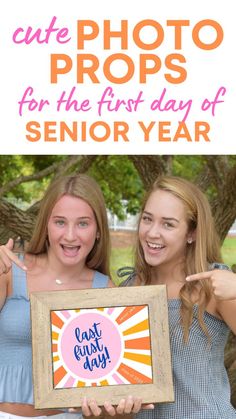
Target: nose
{"points": [[154, 231], [70, 233]]}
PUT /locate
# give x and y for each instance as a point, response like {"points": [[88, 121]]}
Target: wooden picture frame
{"points": [[123, 350]]}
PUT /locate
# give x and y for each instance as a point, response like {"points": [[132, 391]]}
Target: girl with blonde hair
{"points": [[176, 239], [69, 250]]}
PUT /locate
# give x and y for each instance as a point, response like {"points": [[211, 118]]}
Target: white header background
{"points": [[29, 65]]}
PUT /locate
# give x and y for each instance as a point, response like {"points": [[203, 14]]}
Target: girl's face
{"points": [[163, 230], [72, 230]]}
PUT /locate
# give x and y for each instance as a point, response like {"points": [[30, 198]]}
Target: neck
{"points": [[57, 270], [166, 274]]}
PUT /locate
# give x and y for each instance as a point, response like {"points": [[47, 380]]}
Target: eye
{"points": [[168, 225], [83, 224], [146, 219], [60, 223]]}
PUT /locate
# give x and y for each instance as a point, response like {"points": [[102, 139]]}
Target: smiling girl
{"points": [[177, 238], [69, 250]]}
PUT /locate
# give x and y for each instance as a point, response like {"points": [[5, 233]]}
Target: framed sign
{"points": [[100, 343]]}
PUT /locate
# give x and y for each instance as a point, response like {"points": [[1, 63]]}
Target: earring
{"points": [[190, 240]]}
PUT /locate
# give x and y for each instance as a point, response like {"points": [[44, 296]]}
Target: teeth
{"points": [[155, 245], [69, 247]]}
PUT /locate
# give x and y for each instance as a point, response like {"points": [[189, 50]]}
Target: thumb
{"points": [[10, 244]]}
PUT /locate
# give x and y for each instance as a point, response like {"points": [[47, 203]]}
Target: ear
{"points": [[191, 237]]}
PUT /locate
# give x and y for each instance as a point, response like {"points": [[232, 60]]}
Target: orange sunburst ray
{"points": [[133, 376], [140, 343], [143, 359], [59, 374], [56, 320], [128, 312], [139, 327]]}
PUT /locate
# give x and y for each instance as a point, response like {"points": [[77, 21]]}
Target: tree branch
{"points": [[58, 168], [35, 176]]}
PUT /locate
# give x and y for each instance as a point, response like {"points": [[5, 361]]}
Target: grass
{"points": [[120, 257], [123, 256], [229, 251]]}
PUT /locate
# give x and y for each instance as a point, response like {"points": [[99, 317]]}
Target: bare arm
{"points": [[227, 311], [7, 257], [224, 289], [3, 290]]}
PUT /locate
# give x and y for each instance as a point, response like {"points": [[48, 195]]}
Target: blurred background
{"points": [[123, 180]]}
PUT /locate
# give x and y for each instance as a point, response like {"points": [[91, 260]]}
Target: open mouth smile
{"points": [[155, 246], [70, 251]]}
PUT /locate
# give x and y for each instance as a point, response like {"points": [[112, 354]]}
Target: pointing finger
{"points": [[199, 276], [7, 256], [10, 244]]}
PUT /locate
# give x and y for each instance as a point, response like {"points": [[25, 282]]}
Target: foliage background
{"points": [[123, 180]]}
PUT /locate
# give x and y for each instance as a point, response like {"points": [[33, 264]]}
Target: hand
{"points": [[125, 407], [223, 282], [7, 257], [88, 408]]}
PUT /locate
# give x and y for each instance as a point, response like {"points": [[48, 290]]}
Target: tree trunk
{"points": [[224, 206], [15, 221], [149, 168]]}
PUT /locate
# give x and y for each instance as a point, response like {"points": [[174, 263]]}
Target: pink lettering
{"points": [[27, 36]]}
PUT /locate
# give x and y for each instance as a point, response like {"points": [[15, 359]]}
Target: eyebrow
{"points": [[86, 217], [164, 218]]}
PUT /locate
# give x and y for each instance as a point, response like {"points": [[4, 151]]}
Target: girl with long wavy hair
{"points": [[177, 238], [69, 250]]}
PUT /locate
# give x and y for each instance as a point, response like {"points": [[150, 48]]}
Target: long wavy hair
{"points": [[204, 250], [86, 188]]}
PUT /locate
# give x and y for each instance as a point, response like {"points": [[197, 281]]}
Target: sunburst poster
{"points": [[101, 347], [102, 344]]}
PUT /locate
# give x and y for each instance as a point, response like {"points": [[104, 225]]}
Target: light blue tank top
{"points": [[15, 340]]}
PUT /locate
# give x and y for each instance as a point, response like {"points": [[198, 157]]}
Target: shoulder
{"points": [[111, 284], [100, 274], [100, 280]]}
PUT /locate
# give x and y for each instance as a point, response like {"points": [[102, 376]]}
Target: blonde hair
{"points": [[205, 249], [86, 188]]}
